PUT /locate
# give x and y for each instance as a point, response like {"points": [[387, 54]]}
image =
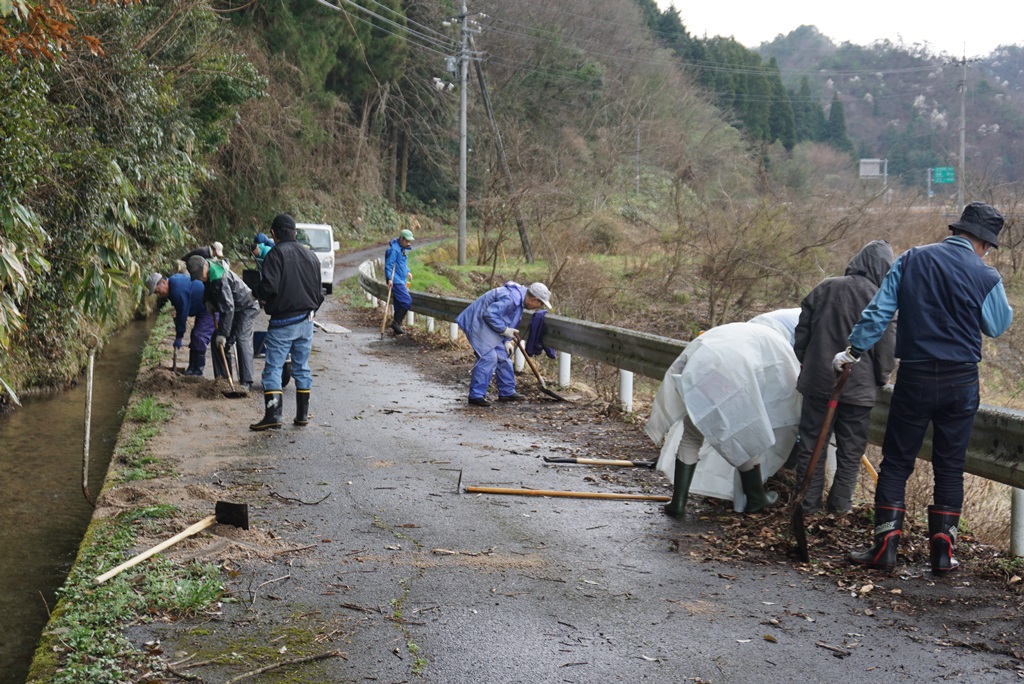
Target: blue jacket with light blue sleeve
{"points": [[947, 297]]}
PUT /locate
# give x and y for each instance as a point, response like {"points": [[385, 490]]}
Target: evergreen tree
{"points": [[782, 118], [835, 130]]}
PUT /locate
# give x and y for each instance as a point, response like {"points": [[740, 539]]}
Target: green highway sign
{"points": [[943, 174]]}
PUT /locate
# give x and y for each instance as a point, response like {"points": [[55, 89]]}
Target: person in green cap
{"points": [[236, 309], [396, 270]]}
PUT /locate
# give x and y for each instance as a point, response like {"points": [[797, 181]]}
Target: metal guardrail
{"points": [[996, 450]]}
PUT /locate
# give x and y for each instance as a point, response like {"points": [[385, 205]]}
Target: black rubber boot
{"points": [[943, 529], [682, 478], [302, 414], [196, 363], [272, 416], [887, 534], [396, 321], [757, 498]]}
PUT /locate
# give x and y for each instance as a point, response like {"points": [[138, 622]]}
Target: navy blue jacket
{"points": [[186, 297], [947, 296]]}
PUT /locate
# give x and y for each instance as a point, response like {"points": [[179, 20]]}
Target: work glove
{"points": [[844, 358], [177, 343], [510, 347], [221, 341], [510, 333], [231, 342]]}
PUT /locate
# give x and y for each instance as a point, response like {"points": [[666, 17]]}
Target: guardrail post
{"points": [[1017, 522], [564, 369], [453, 331], [430, 324], [626, 390], [520, 360], [410, 319]]}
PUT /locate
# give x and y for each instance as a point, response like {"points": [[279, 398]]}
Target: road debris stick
{"points": [[797, 519], [600, 461], [233, 393], [540, 380], [560, 494], [225, 513], [387, 303]]}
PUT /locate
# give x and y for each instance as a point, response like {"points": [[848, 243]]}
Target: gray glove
{"points": [[510, 347], [221, 341], [510, 333]]}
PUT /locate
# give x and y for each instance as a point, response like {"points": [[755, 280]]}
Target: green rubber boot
{"points": [[683, 477], [757, 498]]}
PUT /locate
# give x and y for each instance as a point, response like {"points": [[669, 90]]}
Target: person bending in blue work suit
{"points": [[490, 324], [947, 297], [186, 297], [396, 270]]}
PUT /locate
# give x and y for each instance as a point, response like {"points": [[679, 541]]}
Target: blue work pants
{"points": [[495, 361], [944, 394], [295, 339]]}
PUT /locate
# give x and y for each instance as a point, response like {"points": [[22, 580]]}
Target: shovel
{"points": [[533, 366], [225, 513], [234, 392], [600, 461], [384, 321], [174, 361], [559, 493], [797, 521]]}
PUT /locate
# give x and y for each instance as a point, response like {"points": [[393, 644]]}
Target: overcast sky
{"points": [[943, 24]]}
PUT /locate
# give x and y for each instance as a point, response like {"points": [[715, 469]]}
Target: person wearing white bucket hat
{"points": [[490, 324]]}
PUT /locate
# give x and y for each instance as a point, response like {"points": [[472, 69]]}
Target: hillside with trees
{"points": [[664, 182]]}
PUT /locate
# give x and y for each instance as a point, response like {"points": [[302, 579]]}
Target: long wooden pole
{"points": [[573, 495], [187, 532]]}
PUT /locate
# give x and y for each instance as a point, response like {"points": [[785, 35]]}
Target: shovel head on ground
{"points": [[540, 380], [797, 519], [225, 513]]}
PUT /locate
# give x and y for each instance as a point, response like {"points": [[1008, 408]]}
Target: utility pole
{"points": [[463, 83], [524, 239], [963, 134]]}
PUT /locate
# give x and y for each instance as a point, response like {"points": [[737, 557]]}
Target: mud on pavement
{"points": [[365, 562]]}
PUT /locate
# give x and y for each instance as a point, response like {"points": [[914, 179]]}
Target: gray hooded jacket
{"points": [[828, 314]]}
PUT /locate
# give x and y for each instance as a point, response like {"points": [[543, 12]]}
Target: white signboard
{"points": [[873, 168]]}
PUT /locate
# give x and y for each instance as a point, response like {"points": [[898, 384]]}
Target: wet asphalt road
{"points": [[414, 581]]}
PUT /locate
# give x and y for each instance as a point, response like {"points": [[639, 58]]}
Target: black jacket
{"points": [[828, 314], [291, 281]]}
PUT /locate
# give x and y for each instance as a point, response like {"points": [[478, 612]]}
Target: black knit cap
{"points": [[982, 221], [283, 224]]}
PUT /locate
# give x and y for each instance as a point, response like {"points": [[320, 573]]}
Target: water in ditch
{"points": [[43, 513]]}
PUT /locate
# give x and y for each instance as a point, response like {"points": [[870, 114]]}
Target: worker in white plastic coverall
{"points": [[728, 412]]}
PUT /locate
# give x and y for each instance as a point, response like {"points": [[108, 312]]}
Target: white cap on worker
{"points": [[218, 250], [541, 292]]}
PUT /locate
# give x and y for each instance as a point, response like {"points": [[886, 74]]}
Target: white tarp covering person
{"points": [[727, 412]]}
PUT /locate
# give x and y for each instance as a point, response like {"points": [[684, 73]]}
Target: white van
{"points": [[320, 238]]}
